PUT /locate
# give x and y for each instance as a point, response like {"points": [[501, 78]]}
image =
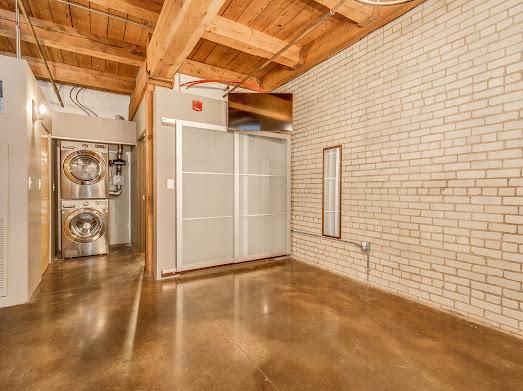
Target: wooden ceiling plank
{"points": [[205, 71], [251, 11], [360, 13], [69, 74], [67, 38], [334, 41], [143, 9], [238, 36], [98, 25]]}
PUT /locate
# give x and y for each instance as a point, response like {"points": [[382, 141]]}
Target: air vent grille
{"points": [[3, 218], [1, 96]]}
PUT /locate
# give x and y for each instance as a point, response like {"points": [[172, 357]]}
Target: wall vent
{"points": [[3, 218], [1, 96]]}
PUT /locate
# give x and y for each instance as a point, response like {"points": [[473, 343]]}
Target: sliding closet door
{"points": [[263, 209], [205, 196]]}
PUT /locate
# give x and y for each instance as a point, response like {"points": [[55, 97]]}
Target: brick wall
{"points": [[429, 112]]}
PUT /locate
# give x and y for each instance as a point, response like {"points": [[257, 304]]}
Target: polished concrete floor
{"points": [[97, 324]]}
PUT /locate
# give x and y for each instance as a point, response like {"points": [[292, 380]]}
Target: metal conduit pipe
{"points": [[40, 51], [17, 13], [93, 10], [364, 247], [309, 29]]}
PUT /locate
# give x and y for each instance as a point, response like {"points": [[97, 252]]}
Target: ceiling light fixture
{"points": [[383, 2]]}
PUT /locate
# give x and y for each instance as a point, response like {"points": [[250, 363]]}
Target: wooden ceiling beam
{"points": [[360, 13], [180, 26], [144, 9], [331, 43], [238, 36], [205, 71], [67, 38], [69, 74]]}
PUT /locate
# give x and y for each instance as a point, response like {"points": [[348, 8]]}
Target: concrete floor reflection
{"points": [[98, 324]]}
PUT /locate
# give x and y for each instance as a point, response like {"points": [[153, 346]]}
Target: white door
{"points": [[205, 195], [263, 196]]}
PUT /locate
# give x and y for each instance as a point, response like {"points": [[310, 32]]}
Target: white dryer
{"points": [[84, 170], [85, 228]]}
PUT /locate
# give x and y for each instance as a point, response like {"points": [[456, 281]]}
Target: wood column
{"points": [[149, 181]]}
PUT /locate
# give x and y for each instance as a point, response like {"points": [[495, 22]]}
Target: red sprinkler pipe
{"points": [[190, 84]]}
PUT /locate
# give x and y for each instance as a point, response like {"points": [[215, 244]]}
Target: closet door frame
{"points": [[180, 124], [281, 136]]}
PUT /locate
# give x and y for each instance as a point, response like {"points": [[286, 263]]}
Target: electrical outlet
{"points": [[365, 246]]}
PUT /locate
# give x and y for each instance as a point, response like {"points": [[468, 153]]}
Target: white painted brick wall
{"points": [[429, 111]]}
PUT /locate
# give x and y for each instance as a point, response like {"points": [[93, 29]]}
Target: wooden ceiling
{"points": [[219, 39]]}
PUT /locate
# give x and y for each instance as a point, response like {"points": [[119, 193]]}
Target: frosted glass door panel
{"points": [[208, 240], [263, 155], [263, 197], [207, 150], [263, 235], [207, 197]]}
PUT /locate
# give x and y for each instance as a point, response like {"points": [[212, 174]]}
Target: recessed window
{"points": [[332, 192]]}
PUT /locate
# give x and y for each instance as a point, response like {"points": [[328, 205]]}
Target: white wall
{"points": [[103, 130], [23, 139], [105, 104]]}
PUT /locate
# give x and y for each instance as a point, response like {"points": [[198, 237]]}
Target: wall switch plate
{"points": [[170, 184], [365, 246]]}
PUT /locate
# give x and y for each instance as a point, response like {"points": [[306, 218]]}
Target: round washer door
{"points": [[85, 225], [84, 167]]}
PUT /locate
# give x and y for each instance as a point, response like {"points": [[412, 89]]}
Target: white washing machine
{"points": [[85, 228], [84, 170]]}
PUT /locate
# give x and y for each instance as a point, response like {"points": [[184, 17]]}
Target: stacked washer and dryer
{"points": [[84, 189]]}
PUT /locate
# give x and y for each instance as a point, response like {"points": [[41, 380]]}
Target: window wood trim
{"points": [[323, 191]]}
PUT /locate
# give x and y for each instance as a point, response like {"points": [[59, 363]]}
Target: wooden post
{"points": [[149, 181]]}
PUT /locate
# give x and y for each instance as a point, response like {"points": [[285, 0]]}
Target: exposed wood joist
{"points": [[143, 9], [180, 26], [360, 13], [333, 42], [238, 36], [205, 71], [69, 74], [143, 79], [68, 38]]}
